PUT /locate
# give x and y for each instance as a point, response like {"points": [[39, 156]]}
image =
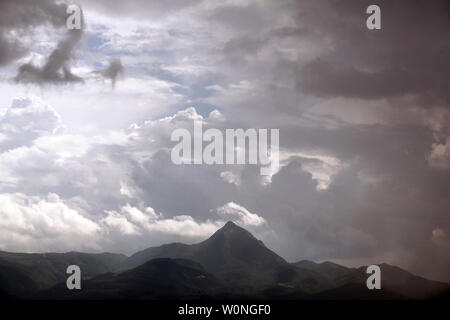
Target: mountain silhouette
{"points": [[162, 278], [231, 264], [22, 274], [239, 258]]}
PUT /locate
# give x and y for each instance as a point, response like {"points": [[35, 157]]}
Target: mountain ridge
{"points": [[231, 262]]}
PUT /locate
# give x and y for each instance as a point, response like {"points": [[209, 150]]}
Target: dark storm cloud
{"points": [[409, 55], [112, 71], [10, 49], [56, 69], [388, 191], [29, 13], [23, 15], [385, 203]]}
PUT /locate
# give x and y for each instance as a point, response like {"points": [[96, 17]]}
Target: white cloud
{"points": [[33, 224], [42, 224], [119, 223], [216, 115], [132, 220], [25, 120], [440, 155], [241, 214], [321, 166], [230, 177]]}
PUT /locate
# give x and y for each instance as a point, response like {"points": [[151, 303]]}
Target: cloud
{"points": [[31, 223], [440, 154], [244, 216], [26, 119], [349, 219], [132, 220], [10, 49], [56, 69], [40, 224], [20, 16], [142, 9], [112, 71], [357, 62]]}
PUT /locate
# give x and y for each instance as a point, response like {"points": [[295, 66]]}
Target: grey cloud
{"points": [[249, 18], [113, 71], [140, 9], [22, 15], [56, 69], [407, 56], [10, 49], [27, 13]]}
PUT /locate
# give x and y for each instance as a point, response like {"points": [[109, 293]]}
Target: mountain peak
{"points": [[232, 229], [229, 225]]}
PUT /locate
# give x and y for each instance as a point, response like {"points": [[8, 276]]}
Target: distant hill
{"points": [[157, 279], [231, 264], [395, 281], [334, 272], [22, 274]]}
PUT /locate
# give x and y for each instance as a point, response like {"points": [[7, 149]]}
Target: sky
{"points": [[363, 116]]}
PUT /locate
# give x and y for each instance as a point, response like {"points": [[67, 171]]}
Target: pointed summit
{"points": [[229, 248], [236, 256], [229, 224], [232, 232]]}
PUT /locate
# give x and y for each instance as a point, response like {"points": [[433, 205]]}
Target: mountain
{"points": [[333, 271], [243, 261], [22, 274], [157, 279], [231, 264], [403, 282], [395, 282]]}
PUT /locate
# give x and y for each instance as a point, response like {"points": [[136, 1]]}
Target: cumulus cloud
{"points": [[40, 224], [230, 177], [132, 220], [244, 216], [75, 166], [31, 223], [26, 119]]}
